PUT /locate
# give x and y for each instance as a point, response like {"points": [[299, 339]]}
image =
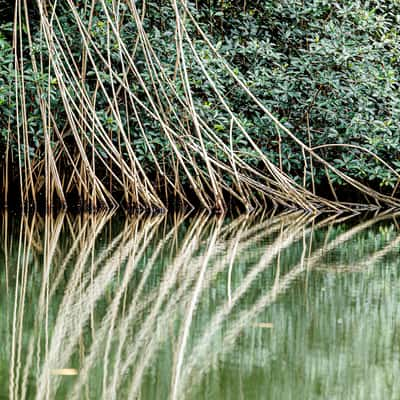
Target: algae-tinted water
{"points": [[197, 307]]}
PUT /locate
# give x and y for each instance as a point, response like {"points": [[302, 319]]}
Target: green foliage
{"points": [[333, 64], [7, 95]]}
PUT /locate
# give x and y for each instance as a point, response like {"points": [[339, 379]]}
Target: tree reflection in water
{"points": [[104, 306]]}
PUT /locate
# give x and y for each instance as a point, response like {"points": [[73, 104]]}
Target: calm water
{"points": [[283, 306]]}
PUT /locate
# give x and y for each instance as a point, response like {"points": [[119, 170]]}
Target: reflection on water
{"points": [[288, 306]]}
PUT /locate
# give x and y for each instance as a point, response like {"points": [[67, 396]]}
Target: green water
{"points": [[283, 306]]}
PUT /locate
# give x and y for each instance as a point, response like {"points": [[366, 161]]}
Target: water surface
{"points": [[288, 306]]}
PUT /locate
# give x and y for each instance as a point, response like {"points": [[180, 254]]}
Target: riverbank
{"points": [[214, 106]]}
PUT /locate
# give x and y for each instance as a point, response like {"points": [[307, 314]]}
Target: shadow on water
{"points": [[260, 306]]}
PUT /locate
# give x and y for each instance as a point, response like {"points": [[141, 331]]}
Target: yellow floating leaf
{"points": [[64, 371], [269, 325]]}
